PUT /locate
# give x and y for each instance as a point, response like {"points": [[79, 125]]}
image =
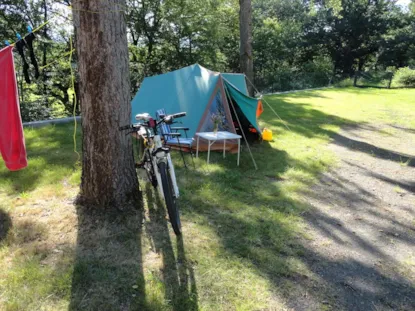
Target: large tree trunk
{"points": [[108, 174], [245, 27]]}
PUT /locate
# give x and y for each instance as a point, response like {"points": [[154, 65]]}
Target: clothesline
{"points": [[33, 31], [55, 61], [73, 9]]}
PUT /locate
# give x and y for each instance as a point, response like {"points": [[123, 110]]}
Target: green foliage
{"points": [[297, 44], [405, 77], [35, 110], [343, 83]]}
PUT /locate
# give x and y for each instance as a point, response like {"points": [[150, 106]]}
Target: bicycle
{"points": [[156, 161]]}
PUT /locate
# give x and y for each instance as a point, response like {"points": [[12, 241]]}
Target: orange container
{"points": [[267, 134]]}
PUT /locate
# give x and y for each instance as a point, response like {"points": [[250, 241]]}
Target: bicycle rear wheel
{"points": [[170, 199]]}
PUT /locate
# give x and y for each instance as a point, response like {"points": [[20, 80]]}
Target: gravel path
{"points": [[362, 224]]}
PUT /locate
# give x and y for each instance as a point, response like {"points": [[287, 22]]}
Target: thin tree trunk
{"points": [[245, 28], [359, 70], [108, 173]]}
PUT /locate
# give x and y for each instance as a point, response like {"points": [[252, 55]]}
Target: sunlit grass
{"points": [[240, 225]]}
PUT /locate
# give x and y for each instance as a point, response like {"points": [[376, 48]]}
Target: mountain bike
{"points": [[155, 159]]}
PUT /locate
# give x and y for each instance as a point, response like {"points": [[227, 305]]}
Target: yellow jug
{"points": [[267, 134]]}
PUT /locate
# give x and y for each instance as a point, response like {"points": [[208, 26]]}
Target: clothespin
{"points": [[7, 42], [19, 37], [29, 29]]}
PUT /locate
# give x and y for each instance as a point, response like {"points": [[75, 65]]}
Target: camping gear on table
{"points": [[213, 137], [204, 95]]}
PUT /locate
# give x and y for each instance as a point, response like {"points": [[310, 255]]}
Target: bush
{"points": [[285, 77], [345, 82], [405, 77], [34, 111]]}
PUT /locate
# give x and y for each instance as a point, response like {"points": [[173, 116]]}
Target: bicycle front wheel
{"points": [[170, 199]]}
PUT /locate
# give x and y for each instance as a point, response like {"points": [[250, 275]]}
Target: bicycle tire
{"points": [[172, 209]]}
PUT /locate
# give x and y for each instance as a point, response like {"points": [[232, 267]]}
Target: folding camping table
{"points": [[212, 137]]}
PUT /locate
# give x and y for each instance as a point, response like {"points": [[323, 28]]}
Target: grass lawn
{"points": [[241, 227]]}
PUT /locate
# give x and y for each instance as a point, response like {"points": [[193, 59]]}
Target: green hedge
{"points": [[405, 77]]}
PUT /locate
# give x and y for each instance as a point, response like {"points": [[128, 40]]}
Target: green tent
{"points": [[201, 93]]}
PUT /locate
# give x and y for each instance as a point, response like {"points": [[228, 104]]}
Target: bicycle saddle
{"points": [[142, 117]]}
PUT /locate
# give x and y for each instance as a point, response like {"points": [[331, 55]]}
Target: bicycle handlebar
{"points": [[178, 115], [167, 118]]}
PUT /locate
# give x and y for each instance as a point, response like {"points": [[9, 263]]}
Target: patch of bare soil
{"points": [[362, 224]]}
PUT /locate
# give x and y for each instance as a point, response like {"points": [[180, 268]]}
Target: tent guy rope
{"points": [[270, 107]]}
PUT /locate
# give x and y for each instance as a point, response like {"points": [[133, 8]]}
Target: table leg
{"points": [[224, 147], [208, 157], [239, 150], [197, 147]]}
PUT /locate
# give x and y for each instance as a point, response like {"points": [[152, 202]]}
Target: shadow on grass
{"points": [[5, 225], [310, 123], [409, 130], [407, 185], [257, 215], [372, 150], [177, 273], [108, 269], [262, 228], [382, 87]]}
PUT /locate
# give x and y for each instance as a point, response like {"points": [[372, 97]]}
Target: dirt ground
{"points": [[361, 229]]}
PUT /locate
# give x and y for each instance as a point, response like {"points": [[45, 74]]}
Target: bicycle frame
{"points": [[165, 157], [159, 154]]}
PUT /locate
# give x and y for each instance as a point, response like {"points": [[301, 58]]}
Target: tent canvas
{"points": [[201, 93]]}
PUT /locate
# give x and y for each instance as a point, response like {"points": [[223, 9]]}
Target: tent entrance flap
{"points": [[246, 107], [218, 113]]}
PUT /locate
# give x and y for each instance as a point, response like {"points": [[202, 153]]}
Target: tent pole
{"points": [[283, 122], [240, 126]]}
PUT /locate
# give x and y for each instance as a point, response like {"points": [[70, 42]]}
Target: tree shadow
{"points": [[302, 119], [375, 151], [256, 221], [382, 87], [272, 244], [406, 129], [108, 268], [301, 94], [311, 123], [407, 185], [5, 225], [177, 273]]}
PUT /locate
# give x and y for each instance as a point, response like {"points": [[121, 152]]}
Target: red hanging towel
{"points": [[12, 145]]}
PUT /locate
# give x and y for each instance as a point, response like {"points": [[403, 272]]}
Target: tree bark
{"points": [[108, 172], [245, 52]]}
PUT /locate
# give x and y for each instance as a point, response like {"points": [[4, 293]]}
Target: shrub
{"points": [[405, 77], [34, 111], [345, 82]]}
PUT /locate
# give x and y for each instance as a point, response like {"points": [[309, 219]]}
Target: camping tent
{"points": [[202, 94]]}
